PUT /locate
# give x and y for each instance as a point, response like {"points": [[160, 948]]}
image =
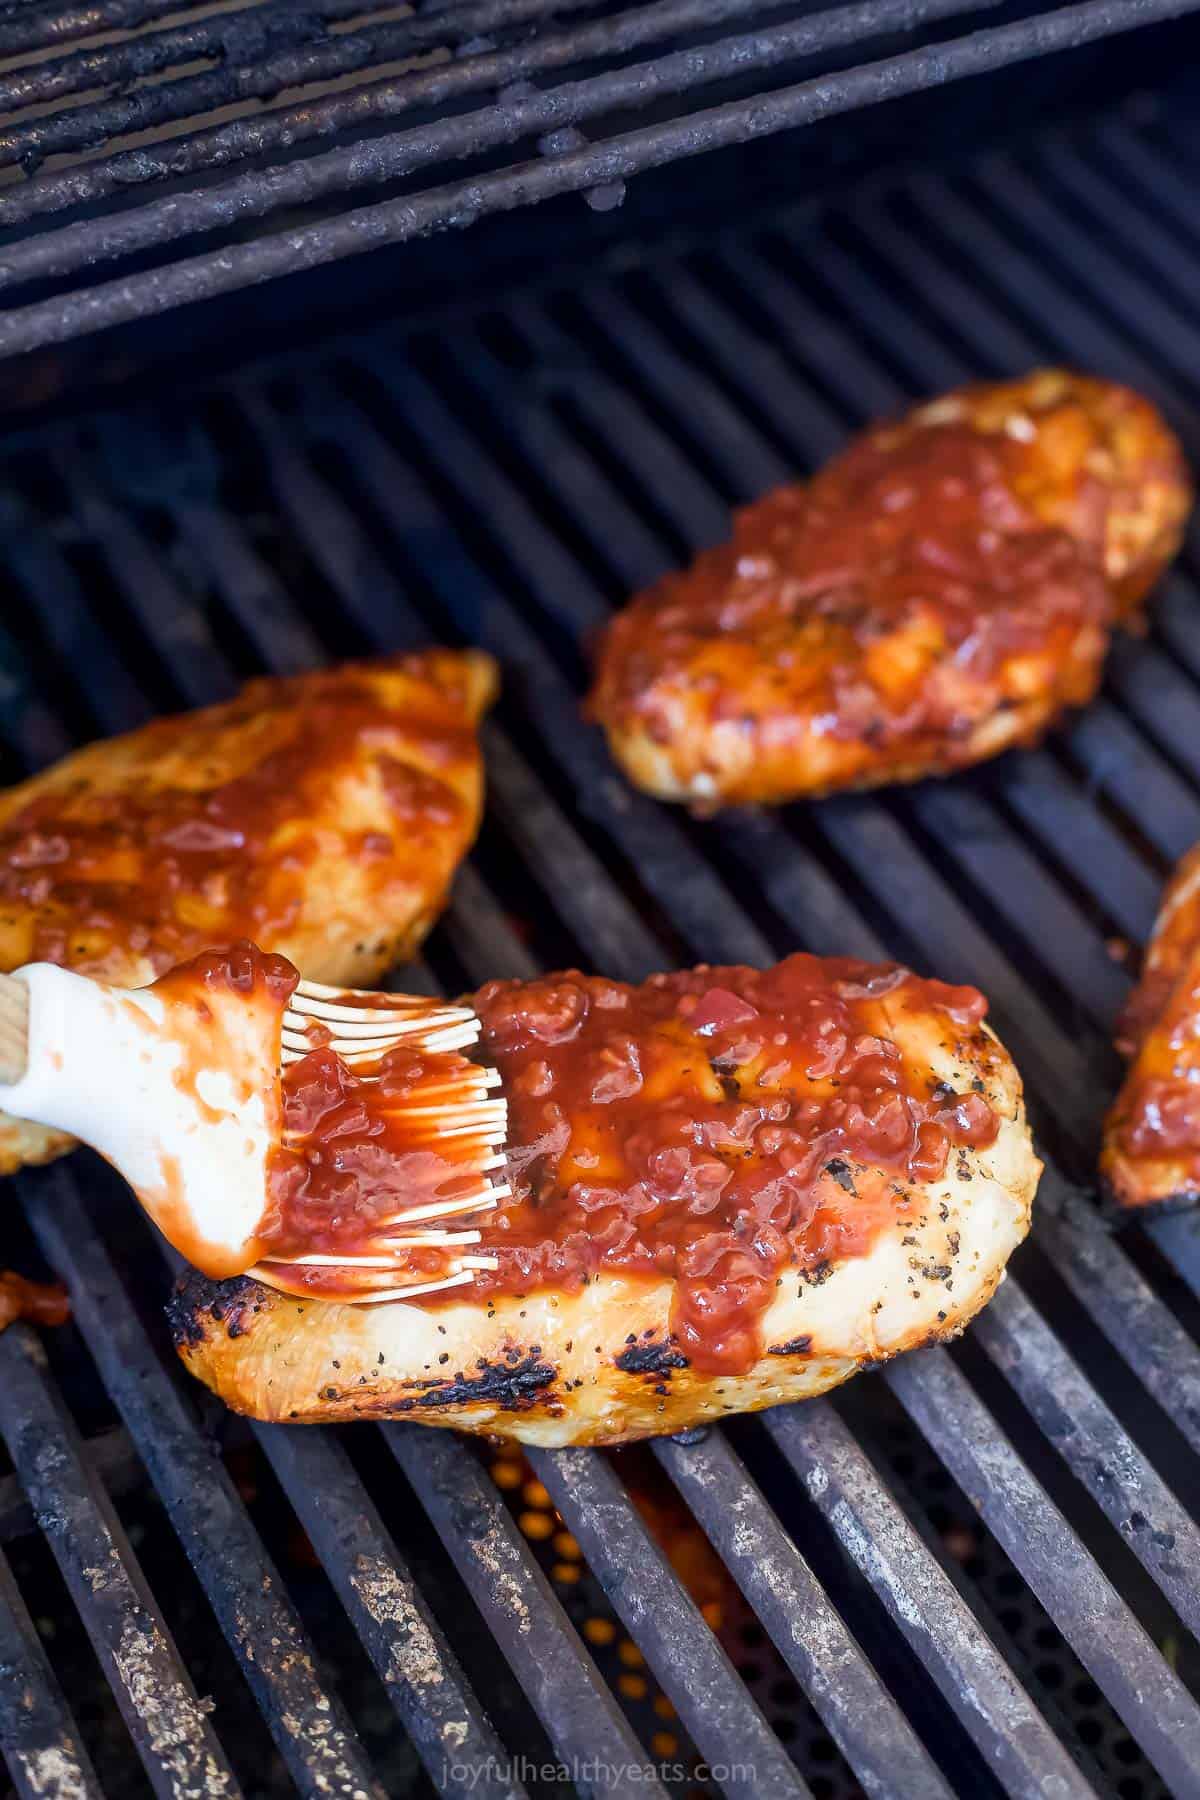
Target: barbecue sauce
{"points": [[722, 1127], [41, 1302], [940, 590], [1152, 1135], [350, 1147], [352, 1154], [205, 828], [907, 569]]}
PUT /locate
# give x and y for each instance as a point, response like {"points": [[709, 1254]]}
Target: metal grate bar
{"points": [[863, 1719], [253, 593], [287, 125], [521, 1608], [1085, 1606], [308, 246], [578, 884], [1119, 1299], [1151, 175], [260, 1624], [657, 1611], [408, 1648], [233, 36], [267, 69], [1139, 677], [166, 1721], [969, 831], [171, 622], [1042, 796], [683, 883], [386, 158], [1095, 193], [30, 27], [1095, 1447], [109, 1452], [73, 632], [926, 1606], [1137, 304], [482, 936], [40, 1740], [1174, 607]]}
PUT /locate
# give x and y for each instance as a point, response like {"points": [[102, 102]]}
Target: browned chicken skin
{"points": [[1151, 1153], [322, 815], [941, 590]]}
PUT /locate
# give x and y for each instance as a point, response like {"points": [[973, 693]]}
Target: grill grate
{"points": [[507, 484], [707, 72]]}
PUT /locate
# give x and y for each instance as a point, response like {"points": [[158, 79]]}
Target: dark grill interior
{"points": [[973, 1573]]}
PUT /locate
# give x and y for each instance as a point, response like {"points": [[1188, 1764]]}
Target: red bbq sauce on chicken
{"points": [[165, 866], [355, 1152], [718, 1127], [1151, 1146], [908, 530]]}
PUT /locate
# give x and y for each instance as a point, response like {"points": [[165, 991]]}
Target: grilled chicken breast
{"points": [[729, 1188], [1151, 1150], [322, 815], [941, 590]]}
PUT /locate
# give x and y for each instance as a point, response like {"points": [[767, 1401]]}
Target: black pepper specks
{"points": [[840, 1171], [650, 1359]]}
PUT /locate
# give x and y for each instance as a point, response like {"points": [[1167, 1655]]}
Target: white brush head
{"points": [[183, 1087], [177, 1086]]}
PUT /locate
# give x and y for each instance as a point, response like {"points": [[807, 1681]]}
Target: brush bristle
{"points": [[438, 1102]]}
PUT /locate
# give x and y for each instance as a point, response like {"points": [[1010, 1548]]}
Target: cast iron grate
{"points": [[174, 153], [978, 1568]]}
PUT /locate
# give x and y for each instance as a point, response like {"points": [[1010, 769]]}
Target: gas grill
{"points": [[976, 1572]]}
